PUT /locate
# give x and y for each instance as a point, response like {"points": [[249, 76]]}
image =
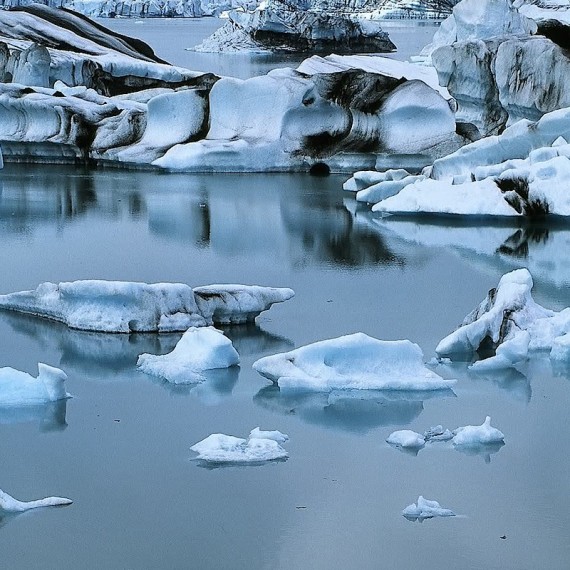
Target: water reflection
{"points": [[349, 410], [49, 417], [483, 450], [251, 340]]}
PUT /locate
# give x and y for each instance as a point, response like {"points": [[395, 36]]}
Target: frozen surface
{"points": [[123, 307], [220, 448], [19, 388], [11, 505], [351, 362], [406, 438], [478, 435], [426, 509], [199, 349]]}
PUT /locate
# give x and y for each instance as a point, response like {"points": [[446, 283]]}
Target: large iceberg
{"points": [[507, 326], [219, 448], [426, 509], [21, 389], [352, 362], [125, 307], [198, 350], [10, 505]]}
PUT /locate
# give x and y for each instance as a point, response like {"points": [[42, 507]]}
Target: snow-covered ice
{"points": [[20, 388], [477, 435], [125, 307], [221, 448], [350, 362], [426, 509], [199, 349], [275, 435], [407, 439], [11, 505]]}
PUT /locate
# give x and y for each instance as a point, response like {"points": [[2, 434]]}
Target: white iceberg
{"points": [[221, 448], [351, 362], [484, 434], [275, 435], [437, 433], [407, 439], [21, 389], [125, 307], [199, 349], [426, 509], [11, 505]]}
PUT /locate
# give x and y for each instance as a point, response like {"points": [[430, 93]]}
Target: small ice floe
{"points": [[352, 362], [406, 439], [275, 435], [10, 505], [125, 307], [438, 433], [484, 434], [198, 350], [219, 448], [425, 509], [21, 389]]}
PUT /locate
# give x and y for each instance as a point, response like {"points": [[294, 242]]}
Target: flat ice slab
{"points": [[124, 307], [10, 505], [221, 448], [426, 509], [484, 434], [351, 362], [21, 389], [199, 349]]}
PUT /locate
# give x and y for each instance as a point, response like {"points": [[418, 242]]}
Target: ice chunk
{"points": [[221, 448], [437, 433], [354, 361], [275, 435], [19, 388], [426, 509], [11, 505], [478, 435], [199, 349], [406, 438]]}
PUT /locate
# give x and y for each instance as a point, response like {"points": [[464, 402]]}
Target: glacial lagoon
{"points": [[120, 448]]}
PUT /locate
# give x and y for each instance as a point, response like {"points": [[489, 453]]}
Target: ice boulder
{"points": [[125, 307], [425, 509], [21, 389], [352, 362], [10, 505], [199, 349], [484, 434], [407, 439], [221, 449]]}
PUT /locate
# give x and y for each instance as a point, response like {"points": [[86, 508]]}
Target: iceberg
{"points": [[437, 433], [21, 389], [220, 448], [484, 434], [407, 439], [10, 505], [352, 362], [275, 435], [126, 307], [425, 509], [199, 349]]}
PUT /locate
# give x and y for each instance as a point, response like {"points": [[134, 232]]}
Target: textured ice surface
{"points": [[221, 448], [199, 349], [406, 438], [19, 388], [478, 435], [11, 505], [354, 361], [426, 509], [275, 435]]}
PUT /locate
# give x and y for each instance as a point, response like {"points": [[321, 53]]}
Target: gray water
{"points": [[120, 447], [170, 39]]}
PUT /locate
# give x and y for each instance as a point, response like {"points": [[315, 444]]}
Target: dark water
{"points": [[120, 447]]}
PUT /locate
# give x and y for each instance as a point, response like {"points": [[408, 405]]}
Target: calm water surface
{"points": [[120, 447]]}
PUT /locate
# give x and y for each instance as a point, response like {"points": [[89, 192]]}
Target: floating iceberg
{"points": [[199, 349], [220, 448], [21, 389], [11, 505], [437, 433], [407, 439], [510, 323], [275, 435], [352, 362], [125, 307], [425, 509], [484, 434]]}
